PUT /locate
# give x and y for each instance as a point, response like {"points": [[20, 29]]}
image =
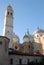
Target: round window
{"points": [[16, 47]]}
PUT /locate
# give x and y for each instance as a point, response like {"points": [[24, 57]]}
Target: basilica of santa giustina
{"points": [[12, 52]]}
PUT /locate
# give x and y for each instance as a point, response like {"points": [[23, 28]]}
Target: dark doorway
{"points": [[11, 61], [27, 61], [20, 61]]}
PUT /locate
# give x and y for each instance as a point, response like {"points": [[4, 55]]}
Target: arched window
{"points": [[11, 13], [8, 13]]}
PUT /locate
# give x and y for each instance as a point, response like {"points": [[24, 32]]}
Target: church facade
{"points": [[12, 52]]}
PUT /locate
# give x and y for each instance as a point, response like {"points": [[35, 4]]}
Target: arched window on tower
{"points": [[8, 13], [11, 13]]}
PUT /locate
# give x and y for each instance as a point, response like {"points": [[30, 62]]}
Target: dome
{"points": [[27, 37], [15, 38], [38, 31]]}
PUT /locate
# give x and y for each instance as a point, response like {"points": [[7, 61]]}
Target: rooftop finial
{"points": [[38, 27], [9, 7], [27, 31]]}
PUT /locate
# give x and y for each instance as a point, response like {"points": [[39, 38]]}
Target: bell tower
{"points": [[8, 24]]}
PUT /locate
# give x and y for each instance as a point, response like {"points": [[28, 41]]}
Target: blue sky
{"points": [[27, 14]]}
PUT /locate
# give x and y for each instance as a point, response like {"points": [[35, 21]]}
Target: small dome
{"points": [[15, 38], [25, 36], [28, 37], [38, 31]]}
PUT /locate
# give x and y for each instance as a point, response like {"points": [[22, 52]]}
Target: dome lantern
{"points": [[26, 37], [15, 38]]}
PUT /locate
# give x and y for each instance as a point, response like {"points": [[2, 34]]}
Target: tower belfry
{"points": [[8, 24]]}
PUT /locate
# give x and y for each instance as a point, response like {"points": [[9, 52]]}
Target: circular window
{"points": [[16, 47]]}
